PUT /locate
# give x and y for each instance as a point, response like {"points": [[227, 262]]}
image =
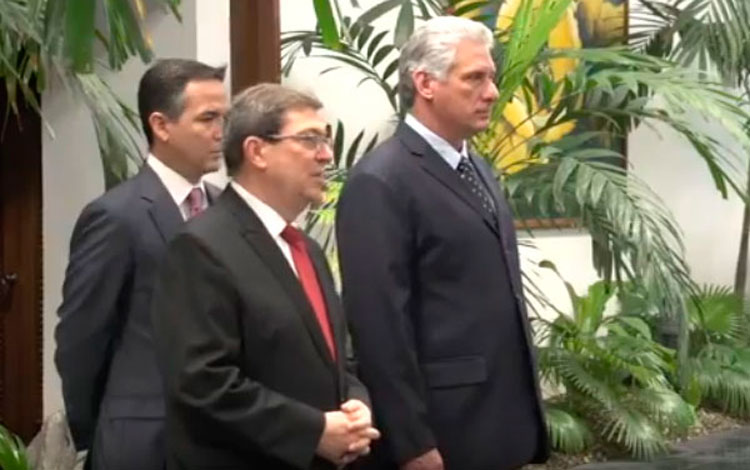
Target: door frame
{"points": [[21, 254], [255, 43]]}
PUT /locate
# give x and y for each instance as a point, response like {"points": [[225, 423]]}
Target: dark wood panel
{"points": [[21, 255], [255, 35]]}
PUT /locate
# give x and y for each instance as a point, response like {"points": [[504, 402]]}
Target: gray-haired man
{"points": [[431, 274]]}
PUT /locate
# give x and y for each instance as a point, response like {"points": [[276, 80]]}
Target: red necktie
{"points": [[195, 202], [309, 280]]}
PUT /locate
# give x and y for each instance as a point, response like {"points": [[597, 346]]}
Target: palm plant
{"points": [[46, 40], [611, 377], [634, 235], [715, 36], [720, 350]]}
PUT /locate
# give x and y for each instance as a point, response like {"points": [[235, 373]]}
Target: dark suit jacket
{"points": [[105, 351], [248, 372], [432, 289]]}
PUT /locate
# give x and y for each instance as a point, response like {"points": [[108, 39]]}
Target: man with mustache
{"points": [[431, 276]]}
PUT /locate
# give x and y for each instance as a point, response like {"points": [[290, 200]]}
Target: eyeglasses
{"points": [[310, 141]]}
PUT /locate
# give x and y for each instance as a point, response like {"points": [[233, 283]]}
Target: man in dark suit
{"points": [[105, 346], [431, 277], [251, 333]]}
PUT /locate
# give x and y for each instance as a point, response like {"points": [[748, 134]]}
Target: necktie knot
{"points": [[195, 202], [292, 235]]}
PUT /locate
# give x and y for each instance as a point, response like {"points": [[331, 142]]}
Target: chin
{"points": [[316, 200], [482, 125], [211, 167]]}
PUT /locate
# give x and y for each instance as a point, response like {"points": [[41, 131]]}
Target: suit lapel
{"points": [[212, 193], [163, 211], [505, 223], [260, 240], [333, 307], [439, 169]]}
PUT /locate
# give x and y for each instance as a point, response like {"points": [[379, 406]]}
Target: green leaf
{"points": [[568, 433], [378, 10], [637, 324], [327, 23], [352, 154], [338, 143], [404, 24], [12, 452], [79, 34]]}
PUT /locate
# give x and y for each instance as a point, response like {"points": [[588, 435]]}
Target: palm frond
{"points": [[713, 33], [667, 406], [717, 312], [635, 430], [722, 373], [114, 123], [567, 432]]}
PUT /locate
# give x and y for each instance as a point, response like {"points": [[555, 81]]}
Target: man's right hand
{"points": [[342, 439], [430, 460]]}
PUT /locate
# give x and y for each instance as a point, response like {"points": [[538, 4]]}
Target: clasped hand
{"points": [[347, 434]]}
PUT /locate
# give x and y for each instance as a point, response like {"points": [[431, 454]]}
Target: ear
{"points": [[159, 125], [424, 84], [254, 153]]}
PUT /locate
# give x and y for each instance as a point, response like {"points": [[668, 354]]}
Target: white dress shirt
{"points": [[272, 221], [177, 186], [451, 156]]}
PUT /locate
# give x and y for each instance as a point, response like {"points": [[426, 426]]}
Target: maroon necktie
{"points": [[309, 280], [195, 202]]}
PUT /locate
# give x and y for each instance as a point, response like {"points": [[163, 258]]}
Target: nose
{"points": [[491, 92], [218, 128], [325, 153]]}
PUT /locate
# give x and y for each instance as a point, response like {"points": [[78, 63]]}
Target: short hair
{"points": [[162, 88], [259, 111], [432, 48]]}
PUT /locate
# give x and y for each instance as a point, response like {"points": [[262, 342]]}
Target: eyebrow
{"points": [[316, 130]]}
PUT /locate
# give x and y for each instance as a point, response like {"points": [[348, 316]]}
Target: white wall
{"points": [[72, 171]]}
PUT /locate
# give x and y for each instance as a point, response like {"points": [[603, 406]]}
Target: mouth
{"points": [[321, 179]]}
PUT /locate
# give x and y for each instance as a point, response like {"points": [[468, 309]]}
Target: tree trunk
{"points": [[740, 275]]}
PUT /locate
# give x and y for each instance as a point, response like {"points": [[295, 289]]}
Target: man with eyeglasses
{"points": [[251, 333]]}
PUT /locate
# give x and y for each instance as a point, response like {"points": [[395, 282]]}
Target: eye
{"points": [[208, 116]]}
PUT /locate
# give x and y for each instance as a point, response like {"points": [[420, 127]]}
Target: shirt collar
{"points": [[451, 156], [177, 186], [272, 221]]}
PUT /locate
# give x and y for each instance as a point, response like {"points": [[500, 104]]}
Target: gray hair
{"points": [[259, 111], [432, 48]]}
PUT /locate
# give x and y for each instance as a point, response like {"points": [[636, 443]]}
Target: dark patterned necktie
{"points": [[471, 178]]}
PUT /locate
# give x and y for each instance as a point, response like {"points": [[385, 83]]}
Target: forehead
{"points": [[204, 93], [301, 119], [472, 55]]}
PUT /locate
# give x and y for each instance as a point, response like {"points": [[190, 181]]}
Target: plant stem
{"points": [[740, 275]]}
